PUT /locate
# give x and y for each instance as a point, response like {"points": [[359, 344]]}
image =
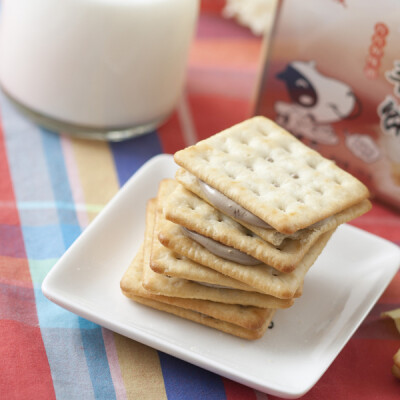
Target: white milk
{"points": [[96, 63]]}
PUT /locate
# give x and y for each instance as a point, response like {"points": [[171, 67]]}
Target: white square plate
{"points": [[340, 289]]}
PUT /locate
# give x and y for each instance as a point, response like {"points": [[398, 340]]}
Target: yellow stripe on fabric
{"points": [[140, 370], [97, 173]]}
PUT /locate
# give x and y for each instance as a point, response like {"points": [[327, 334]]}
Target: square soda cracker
{"points": [[167, 262], [203, 319], [273, 175], [245, 322], [307, 235], [186, 209], [177, 287], [262, 277]]}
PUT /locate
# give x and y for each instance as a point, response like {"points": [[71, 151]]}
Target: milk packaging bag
{"points": [[331, 77]]}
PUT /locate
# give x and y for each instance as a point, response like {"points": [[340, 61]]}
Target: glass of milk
{"points": [[102, 69]]}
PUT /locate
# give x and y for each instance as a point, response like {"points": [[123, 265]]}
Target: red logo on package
{"points": [[375, 51]]}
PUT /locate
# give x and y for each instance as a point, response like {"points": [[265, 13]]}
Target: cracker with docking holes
{"points": [[167, 262], [306, 235], [271, 174], [206, 320], [245, 322], [177, 287], [186, 209], [262, 277]]}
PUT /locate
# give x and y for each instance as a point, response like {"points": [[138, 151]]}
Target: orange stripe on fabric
{"points": [[139, 365], [212, 6], [15, 271], [140, 369], [8, 211], [241, 53], [237, 391], [96, 172]]}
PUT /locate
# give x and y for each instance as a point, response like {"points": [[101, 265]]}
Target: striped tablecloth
{"points": [[52, 187]]}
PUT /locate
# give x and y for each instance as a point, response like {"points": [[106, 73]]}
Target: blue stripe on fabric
{"points": [[30, 205], [97, 362], [49, 314], [70, 233], [131, 154], [47, 241], [29, 173], [92, 338], [42, 242], [32, 183], [60, 184], [52, 316], [186, 381], [69, 369]]}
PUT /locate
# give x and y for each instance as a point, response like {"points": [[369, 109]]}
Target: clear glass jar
{"points": [[103, 69]]}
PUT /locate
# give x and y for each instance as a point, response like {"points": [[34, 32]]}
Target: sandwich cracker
{"points": [[272, 174], [177, 287], [244, 322]]}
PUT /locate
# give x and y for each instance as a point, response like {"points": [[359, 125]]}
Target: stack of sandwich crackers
{"points": [[229, 241]]}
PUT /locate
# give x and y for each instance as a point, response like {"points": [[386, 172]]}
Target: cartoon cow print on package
{"points": [[317, 102]]}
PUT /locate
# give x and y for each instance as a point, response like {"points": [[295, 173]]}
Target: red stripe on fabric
{"points": [[376, 327], [361, 371], [170, 135], [236, 391], [381, 221], [221, 112], [392, 292], [12, 241], [386, 231], [15, 269], [24, 370], [382, 211], [18, 303], [9, 213]]}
